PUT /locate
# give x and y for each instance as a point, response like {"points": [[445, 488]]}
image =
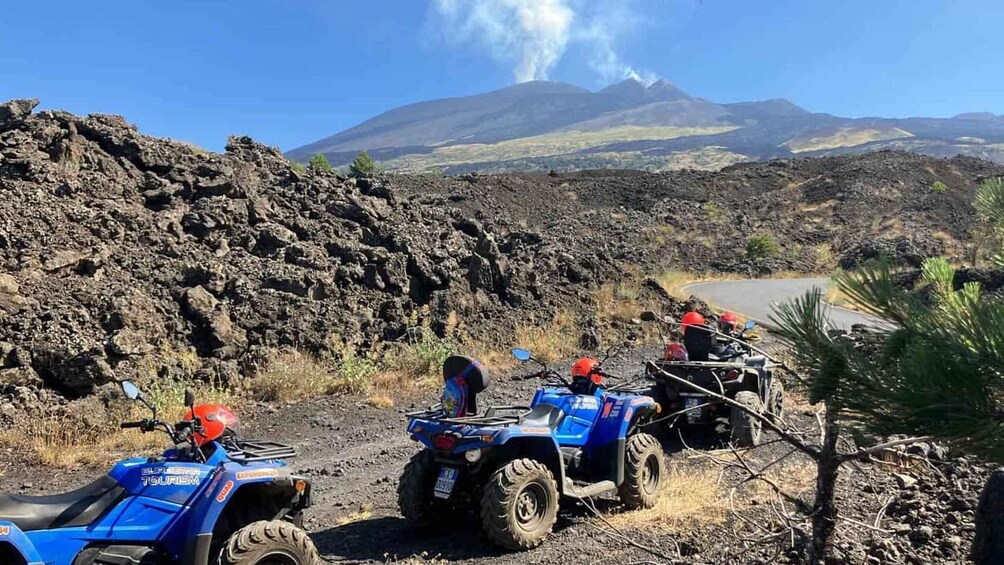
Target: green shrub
{"points": [[319, 163], [298, 167], [939, 186], [761, 246], [363, 166]]}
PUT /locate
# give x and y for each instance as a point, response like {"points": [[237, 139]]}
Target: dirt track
{"points": [[356, 453]]}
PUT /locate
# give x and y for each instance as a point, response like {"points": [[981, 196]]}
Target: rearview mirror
{"points": [[189, 398], [521, 354], [131, 390], [750, 325]]}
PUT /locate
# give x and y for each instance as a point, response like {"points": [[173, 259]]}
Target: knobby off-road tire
{"points": [[644, 470], [775, 401], [745, 428], [414, 490], [269, 542], [519, 505]]}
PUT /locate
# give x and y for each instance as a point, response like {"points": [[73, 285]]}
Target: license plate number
{"points": [[445, 483], [692, 402]]}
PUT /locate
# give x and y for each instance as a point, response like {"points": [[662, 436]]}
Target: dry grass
{"points": [[81, 436], [365, 512], [617, 301], [550, 342], [691, 498], [694, 496]]}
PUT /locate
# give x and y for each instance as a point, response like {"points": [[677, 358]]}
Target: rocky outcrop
{"points": [[123, 255]]}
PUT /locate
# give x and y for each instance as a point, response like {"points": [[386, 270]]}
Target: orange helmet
{"points": [[728, 322], [585, 367], [692, 319], [217, 420]]}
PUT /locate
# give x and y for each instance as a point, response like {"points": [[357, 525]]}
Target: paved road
{"points": [[755, 298]]}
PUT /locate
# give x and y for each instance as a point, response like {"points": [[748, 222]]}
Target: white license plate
{"points": [[446, 481], [691, 402]]}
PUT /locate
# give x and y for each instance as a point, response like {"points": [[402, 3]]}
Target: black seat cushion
{"points": [[543, 416], [77, 508], [698, 343]]}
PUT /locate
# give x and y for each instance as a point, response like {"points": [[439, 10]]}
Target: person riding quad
{"points": [[725, 346], [697, 340], [728, 324], [702, 344], [586, 376]]}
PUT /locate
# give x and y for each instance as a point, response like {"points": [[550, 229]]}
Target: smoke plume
{"points": [[532, 35]]}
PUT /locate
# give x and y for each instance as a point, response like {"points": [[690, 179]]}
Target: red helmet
{"points": [[217, 420], [728, 322], [692, 319], [675, 352], [585, 368]]}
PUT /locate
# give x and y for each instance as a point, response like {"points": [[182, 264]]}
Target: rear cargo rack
{"points": [[251, 450], [491, 417]]}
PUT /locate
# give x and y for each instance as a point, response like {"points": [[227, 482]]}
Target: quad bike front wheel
{"points": [[269, 543], [644, 469], [746, 429], [519, 505], [775, 401]]}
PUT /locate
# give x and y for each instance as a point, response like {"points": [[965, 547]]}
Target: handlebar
{"points": [[142, 424]]}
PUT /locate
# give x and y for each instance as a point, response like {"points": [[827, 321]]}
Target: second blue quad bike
{"points": [[213, 498], [512, 464]]}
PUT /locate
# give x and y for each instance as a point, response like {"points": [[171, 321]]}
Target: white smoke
{"points": [[532, 35]]}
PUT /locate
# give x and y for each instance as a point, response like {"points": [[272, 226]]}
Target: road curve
{"points": [[755, 298]]}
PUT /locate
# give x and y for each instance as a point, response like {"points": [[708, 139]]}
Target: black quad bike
{"points": [[723, 364]]}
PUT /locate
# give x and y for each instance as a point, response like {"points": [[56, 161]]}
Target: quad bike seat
{"points": [[543, 416], [80, 507], [698, 343]]}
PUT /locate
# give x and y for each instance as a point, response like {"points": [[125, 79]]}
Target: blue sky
{"points": [[288, 72]]}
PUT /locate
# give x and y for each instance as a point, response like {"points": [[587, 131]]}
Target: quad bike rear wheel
{"points": [[269, 543], [644, 469], [519, 505], [414, 490], [746, 429]]}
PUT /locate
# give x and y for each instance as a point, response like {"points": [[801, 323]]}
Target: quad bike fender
{"points": [[618, 419], [12, 536], [619, 416], [539, 447], [230, 479]]}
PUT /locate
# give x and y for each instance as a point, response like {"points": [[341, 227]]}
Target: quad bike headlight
{"points": [[472, 456]]}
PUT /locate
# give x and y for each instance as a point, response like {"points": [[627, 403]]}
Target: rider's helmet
{"points": [[728, 323], [675, 352], [585, 368], [691, 319], [217, 421]]}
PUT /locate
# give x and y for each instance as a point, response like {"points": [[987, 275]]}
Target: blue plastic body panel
{"points": [[168, 502], [596, 423]]}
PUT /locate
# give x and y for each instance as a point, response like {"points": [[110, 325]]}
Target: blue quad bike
{"points": [[511, 464], [211, 499]]}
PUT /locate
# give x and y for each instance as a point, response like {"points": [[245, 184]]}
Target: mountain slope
{"points": [[549, 125]]}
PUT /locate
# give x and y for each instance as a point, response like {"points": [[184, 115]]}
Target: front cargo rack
{"points": [[252, 450]]}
